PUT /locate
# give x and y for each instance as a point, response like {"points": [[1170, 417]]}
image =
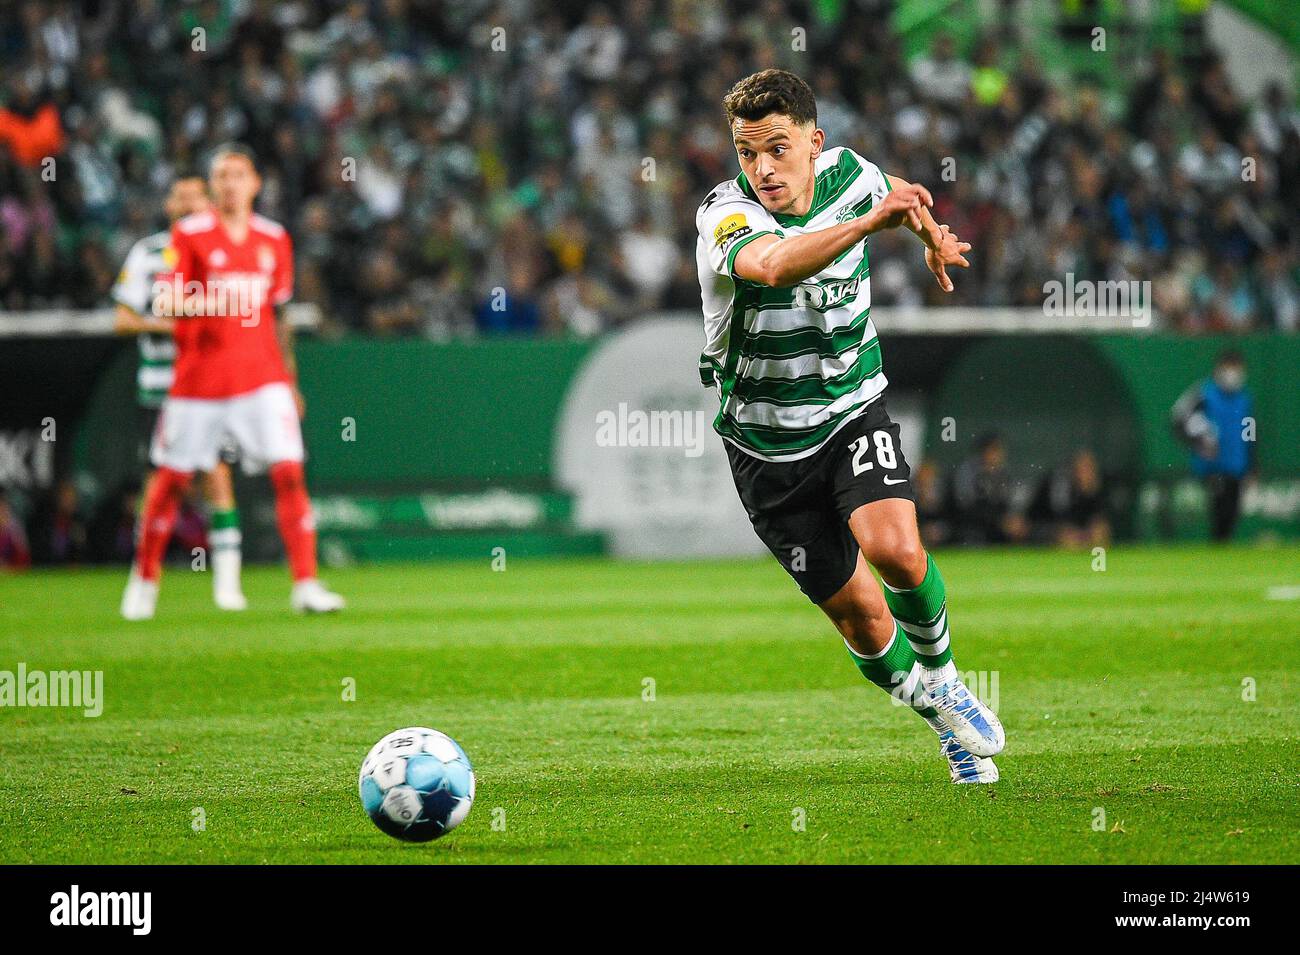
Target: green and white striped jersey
{"points": [[147, 259], [792, 365]]}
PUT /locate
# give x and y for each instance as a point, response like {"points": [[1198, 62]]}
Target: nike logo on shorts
{"points": [[894, 480]]}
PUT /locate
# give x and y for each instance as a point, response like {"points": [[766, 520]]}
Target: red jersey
{"points": [[235, 350]]}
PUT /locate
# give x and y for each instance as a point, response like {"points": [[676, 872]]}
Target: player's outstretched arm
{"points": [[779, 262], [942, 247], [127, 321]]}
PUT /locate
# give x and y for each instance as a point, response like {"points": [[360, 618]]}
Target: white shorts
{"points": [[262, 424]]}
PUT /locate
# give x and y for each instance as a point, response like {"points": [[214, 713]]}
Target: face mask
{"points": [[1230, 378]]}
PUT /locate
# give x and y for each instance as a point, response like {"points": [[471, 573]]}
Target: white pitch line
{"points": [[1291, 592]]}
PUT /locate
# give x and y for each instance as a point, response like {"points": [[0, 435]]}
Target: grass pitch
{"points": [[1121, 691]]}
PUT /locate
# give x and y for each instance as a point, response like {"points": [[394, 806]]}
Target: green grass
{"points": [[1120, 690]]}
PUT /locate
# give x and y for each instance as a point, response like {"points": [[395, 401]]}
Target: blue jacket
{"points": [[1225, 411]]}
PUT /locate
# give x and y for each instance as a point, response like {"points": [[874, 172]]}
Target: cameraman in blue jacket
{"points": [[1215, 419]]}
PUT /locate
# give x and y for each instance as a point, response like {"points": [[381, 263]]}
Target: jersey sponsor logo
{"points": [[827, 295], [730, 229]]}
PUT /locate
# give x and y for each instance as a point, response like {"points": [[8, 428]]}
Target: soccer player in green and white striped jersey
{"points": [[133, 295], [785, 281]]}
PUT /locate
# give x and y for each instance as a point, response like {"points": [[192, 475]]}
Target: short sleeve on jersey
{"points": [[135, 282], [728, 224], [878, 181]]}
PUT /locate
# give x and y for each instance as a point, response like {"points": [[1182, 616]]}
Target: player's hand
{"points": [[902, 206], [947, 251], [300, 402]]}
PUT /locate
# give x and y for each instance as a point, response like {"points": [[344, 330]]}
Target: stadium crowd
{"points": [[426, 154]]}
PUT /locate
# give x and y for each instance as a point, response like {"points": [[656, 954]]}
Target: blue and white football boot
{"points": [[976, 727], [964, 766]]}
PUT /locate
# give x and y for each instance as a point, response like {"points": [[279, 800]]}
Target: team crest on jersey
{"points": [[730, 229], [265, 258], [218, 257], [847, 213]]}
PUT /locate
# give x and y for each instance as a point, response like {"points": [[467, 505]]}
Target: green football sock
{"points": [[897, 671], [923, 614], [225, 530]]}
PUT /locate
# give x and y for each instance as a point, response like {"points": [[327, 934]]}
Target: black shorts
{"points": [[800, 509]]}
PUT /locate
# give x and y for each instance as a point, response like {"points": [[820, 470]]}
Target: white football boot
{"points": [[310, 596], [140, 598], [976, 727], [964, 766], [227, 599]]}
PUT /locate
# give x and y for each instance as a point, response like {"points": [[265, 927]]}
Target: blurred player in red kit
{"points": [[235, 379]]}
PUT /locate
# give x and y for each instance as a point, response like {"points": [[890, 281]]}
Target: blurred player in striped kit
{"points": [[148, 259]]}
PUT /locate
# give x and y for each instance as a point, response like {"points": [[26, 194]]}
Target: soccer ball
{"points": [[416, 784]]}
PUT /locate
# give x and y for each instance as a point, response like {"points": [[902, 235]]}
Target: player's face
{"points": [[234, 183], [186, 197], [777, 155]]}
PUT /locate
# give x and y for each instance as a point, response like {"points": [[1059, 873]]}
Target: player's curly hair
{"points": [[771, 91]]}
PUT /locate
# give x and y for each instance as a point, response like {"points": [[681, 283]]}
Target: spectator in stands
{"points": [[510, 308], [112, 532], [26, 212], [30, 128], [1069, 506], [649, 259], [1279, 294], [596, 47], [389, 308], [1226, 299], [933, 513], [59, 533], [1215, 419], [983, 509], [92, 275], [14, 551], [989, 81], [942, 75]]}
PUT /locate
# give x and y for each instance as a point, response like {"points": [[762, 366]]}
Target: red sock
{"points": [[161, 502], [293, 515]]}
